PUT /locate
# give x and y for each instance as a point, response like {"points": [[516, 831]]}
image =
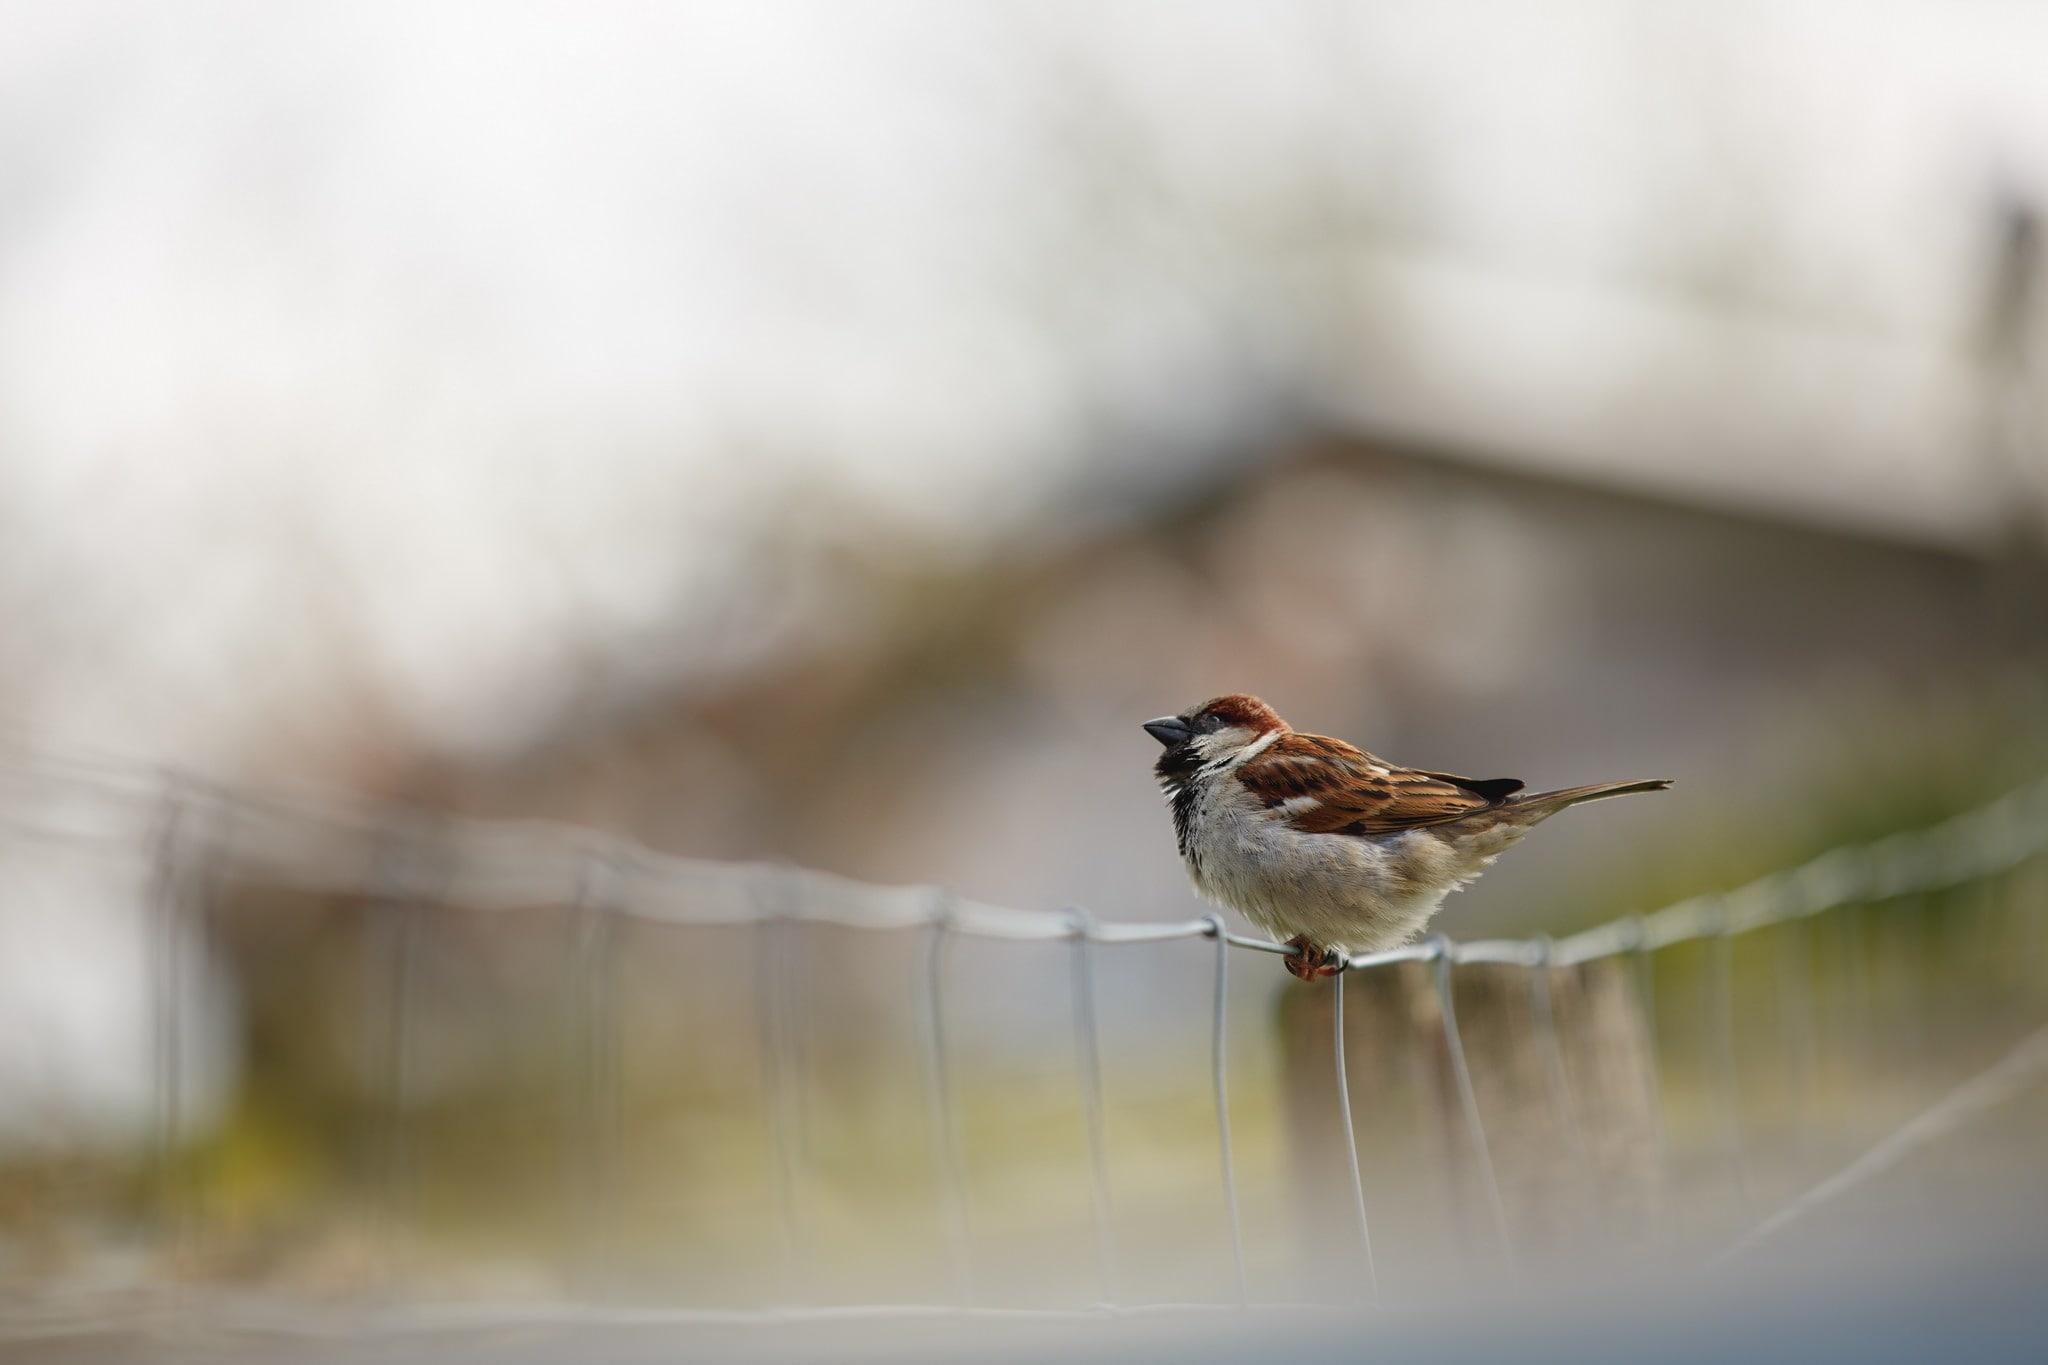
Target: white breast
{"points": [[1362, 893]]}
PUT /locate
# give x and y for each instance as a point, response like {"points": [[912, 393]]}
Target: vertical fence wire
{"points": [[1372, 1271], [395, 920], [1855, 1017], [1795, 990], [794, 1001], [1920, 947], [1643, 983], [939, 1111], [1219, 1055], [1468, 1100], [166, 989], [1088, 1063], [389, 929], [1721, 1028], [200, 910], [1543, 1021], [594, 1128], [770, 958]]}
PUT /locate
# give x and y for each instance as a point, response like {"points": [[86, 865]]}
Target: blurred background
{"points": [[818, 434]]}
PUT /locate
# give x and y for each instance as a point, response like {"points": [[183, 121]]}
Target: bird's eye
{"points": [[1208, 723]]}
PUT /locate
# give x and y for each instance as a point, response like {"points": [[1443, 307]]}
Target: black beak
{"points": [[1168, 730]]}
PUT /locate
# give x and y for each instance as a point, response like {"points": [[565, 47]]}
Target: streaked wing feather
{"points": [[1320, 785]]}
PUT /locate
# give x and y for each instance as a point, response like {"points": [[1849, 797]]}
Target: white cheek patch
{"points": [[1226, 749], [1259, 746]]}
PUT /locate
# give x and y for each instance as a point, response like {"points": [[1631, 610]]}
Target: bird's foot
{"points": [[1309, 961]]}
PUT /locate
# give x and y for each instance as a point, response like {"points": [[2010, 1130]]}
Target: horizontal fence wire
{"points": [[434, 858], [1969, 847]]}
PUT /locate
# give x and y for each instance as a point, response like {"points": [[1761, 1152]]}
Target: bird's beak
{"points": [[1168, 730]]}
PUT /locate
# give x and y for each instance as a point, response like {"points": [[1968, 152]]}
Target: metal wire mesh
{"points": [[428, 863]]}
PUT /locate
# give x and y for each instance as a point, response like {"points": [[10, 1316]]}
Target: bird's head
{"points": [[1216, 731]]}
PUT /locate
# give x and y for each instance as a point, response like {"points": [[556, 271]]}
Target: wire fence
{"points": [[420, 863]]}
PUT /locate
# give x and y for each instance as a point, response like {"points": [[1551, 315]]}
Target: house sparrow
{"points": [[1312, 839]]}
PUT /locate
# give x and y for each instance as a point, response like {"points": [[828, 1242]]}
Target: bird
{"points": [[1325, 846]]}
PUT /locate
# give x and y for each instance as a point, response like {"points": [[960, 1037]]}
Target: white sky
{"points": [[437, 353]]}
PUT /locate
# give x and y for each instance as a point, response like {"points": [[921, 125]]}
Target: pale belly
{"points": [[1361, 893]]}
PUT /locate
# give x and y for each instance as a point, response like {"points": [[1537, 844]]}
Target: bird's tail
{"points": [[1549, 803]]}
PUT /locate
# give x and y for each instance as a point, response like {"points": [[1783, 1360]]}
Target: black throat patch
{"points": [[1176, 770]]}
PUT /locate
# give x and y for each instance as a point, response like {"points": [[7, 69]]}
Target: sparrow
{"points": [[1324, 845]]}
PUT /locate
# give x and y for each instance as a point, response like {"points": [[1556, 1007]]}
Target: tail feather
{"points": [[1552, 801]]}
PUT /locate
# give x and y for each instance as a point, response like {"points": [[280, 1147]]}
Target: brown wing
{"points": [[1325, 786]]}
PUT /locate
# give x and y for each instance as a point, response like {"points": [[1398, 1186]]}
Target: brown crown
{"points": [[1241, 708]]}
